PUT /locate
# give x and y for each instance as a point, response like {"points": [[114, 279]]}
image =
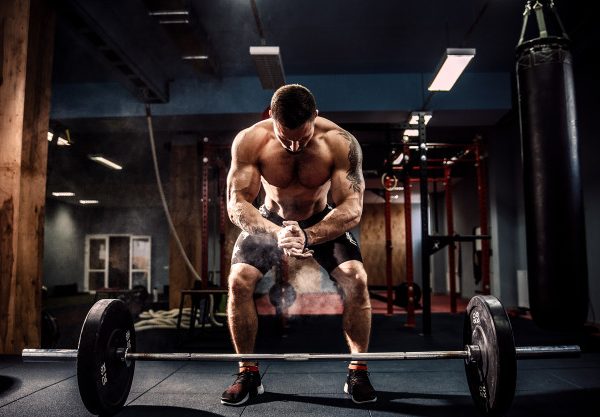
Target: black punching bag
{"points": [[556, 247]]}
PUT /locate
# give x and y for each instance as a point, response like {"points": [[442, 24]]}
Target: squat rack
{"points": [[432, 243]]}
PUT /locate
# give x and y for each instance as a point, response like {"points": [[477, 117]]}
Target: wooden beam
{"points": [[24, 113], [1, 48], [34, 158], [186, 213], [15, 14]]}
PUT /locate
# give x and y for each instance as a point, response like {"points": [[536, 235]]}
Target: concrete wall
{"points": [[64, 237], [67, 225]]}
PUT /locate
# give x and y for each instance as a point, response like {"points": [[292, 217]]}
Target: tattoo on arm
{"points": [[240, 213], [354, 174]]}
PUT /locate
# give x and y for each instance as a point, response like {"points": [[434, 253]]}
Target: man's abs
{"points": [[292, 206]]}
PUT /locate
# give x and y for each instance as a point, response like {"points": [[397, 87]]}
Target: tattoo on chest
{"points": [[353, 174]]}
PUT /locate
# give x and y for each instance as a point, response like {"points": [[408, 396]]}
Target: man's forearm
{"points": [[245, 216], [337, 222]]}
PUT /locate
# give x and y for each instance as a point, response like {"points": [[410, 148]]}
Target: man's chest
{"points": [[309, 169]]}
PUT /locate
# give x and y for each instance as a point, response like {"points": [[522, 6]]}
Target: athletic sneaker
{"points": [[246, 385], [359, 387]]}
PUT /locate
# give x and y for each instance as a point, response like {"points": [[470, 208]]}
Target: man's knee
{"points": [[351, 276], [242, 280]]}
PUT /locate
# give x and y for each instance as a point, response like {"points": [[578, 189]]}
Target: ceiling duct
{"points": [[93, 23], [181, 24], [267, 59], [268, 65]]}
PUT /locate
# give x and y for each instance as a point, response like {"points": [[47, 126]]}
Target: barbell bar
{"points": [[106, 356], [470, 354]]}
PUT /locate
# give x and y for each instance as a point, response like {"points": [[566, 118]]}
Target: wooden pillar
{"points": [[186, 212], [205, 200], [28, 38]]}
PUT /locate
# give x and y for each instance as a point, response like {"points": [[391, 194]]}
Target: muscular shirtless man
{"points": [[299, 158]]}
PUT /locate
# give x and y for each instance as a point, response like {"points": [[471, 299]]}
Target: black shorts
{"points": [[261, 251]]}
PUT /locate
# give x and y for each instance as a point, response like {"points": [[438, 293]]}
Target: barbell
{"points": [[106, 356]]}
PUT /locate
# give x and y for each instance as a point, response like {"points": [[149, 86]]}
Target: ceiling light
{"points": [[62, 194], [268, 65], [88, 202], [414, 118], [62, 142], [453, 64], [411, 132], [169, 13], [174, 22], [398, 160], [102, 160], [195, 57]]}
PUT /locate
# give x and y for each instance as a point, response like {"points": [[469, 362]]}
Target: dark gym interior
{"points": [[116, 126]]}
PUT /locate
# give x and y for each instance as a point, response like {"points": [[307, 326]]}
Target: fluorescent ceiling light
{"points": [[102, 160], [411, 132], [414, 118], [174, 22], [453, 64], [62, 194], [62, 142], [195, 57], [268, 65], [86, 202], [169, 13]]}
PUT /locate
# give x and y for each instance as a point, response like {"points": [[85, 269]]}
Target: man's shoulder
{"points": [[334, 134], [254, 136], [327, 126]]}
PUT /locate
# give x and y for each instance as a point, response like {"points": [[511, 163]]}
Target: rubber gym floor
{"points": [[545, 387]]}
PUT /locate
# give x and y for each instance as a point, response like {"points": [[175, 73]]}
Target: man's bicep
{"points": [[344, 189], [243, 181]]}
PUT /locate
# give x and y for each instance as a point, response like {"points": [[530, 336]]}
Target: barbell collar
{"points": [[546, 352], [49, 355]]}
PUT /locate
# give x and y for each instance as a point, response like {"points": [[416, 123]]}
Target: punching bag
{"points": [[554, 214]]}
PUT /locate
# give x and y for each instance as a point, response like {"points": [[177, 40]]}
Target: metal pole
{"points": [[483, 217], [371, 356], [425, 265], [205, 208], [388, 245], [222, 220], [410, 308], [527, 352], [451, 246]]}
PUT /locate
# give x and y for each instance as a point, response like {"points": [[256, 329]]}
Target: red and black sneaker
{"points": [[246, 385], [359, 387]]}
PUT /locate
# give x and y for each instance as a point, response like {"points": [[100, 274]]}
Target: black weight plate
{"points": [[282, 295], [401, 299], [493, 377], [105, 380]]}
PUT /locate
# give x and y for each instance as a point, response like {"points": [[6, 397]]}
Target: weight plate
{"points": [[401, 299], [492, 378], [282, 295], [104, 379]]}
